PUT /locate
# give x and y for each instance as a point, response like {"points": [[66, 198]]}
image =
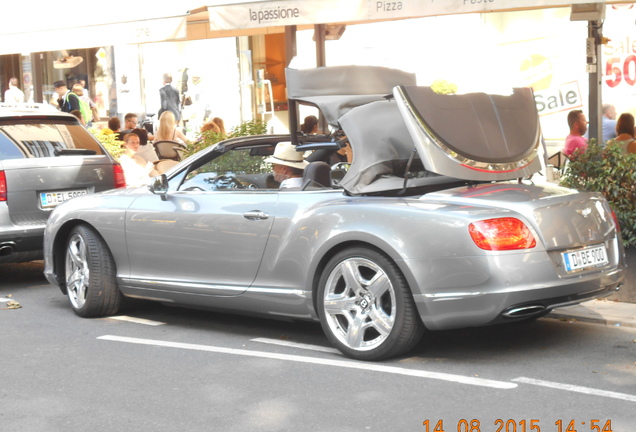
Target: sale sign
{"points": [[618, 62], [564, 97]]}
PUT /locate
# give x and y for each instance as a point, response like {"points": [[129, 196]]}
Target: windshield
{"points": [[37, 138]]}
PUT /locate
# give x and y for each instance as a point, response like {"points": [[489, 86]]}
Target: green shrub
{"points": [[609, 171], [208, 138]]}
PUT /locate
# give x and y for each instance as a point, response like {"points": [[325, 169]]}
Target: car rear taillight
{"points": [[618, 226], [120, 178], [3, 186], [501, 234]]}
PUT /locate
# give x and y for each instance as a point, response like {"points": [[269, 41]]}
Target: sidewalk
{"points": [[608, 312]]}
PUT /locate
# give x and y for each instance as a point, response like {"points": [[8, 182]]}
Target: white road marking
{"points": [[137, 320], [578, 389], [351, 364], [296, 345]]}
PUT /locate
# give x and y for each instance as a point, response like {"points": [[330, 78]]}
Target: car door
{"points": [[201, 242]]}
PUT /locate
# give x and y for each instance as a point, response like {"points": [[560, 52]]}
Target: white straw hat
{"points": [[285, 154]]}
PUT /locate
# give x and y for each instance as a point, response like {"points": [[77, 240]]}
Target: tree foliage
{"points": [[208, 138], [444, 87], [613, 173]]}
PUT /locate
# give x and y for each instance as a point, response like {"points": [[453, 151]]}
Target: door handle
{"points": [[255, 215]]}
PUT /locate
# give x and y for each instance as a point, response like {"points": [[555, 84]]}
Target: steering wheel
{"points": [[227, 181]]}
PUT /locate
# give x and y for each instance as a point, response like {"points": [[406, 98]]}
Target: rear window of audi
{"points": [[38, 138]]}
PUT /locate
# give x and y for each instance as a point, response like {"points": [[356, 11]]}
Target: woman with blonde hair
{"points": [[168, 130]]}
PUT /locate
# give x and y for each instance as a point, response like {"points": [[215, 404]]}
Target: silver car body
{"points": [[264, 250], [199, 248]]}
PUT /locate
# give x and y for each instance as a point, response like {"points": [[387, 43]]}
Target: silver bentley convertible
{"points": [[435, 224]]}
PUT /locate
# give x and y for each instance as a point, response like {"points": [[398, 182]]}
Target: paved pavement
{"points": [[608, 312]]}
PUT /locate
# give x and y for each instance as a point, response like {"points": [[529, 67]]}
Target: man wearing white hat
{"points": [[288, 165]]}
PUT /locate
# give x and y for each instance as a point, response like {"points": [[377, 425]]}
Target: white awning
{"points": [[246, 15], [153, 30]]}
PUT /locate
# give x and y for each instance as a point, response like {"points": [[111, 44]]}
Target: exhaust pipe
{"points": [[6, 248], [523, 311]]}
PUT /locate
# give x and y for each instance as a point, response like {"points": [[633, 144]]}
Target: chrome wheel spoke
{"points": [[379, 285], [352, 277], [75, 253], [380, 321], [339, 304], [355, 331]]}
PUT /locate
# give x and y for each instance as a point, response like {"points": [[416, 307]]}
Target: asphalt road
{"points": [[160, 368]]}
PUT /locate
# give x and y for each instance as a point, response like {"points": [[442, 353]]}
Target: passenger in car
{"points": [[288, 165]]}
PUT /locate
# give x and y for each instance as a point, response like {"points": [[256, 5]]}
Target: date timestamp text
{"points": [[510, 425]]}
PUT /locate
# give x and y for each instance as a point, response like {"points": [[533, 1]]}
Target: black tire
{"points": [[90, 274], [365, 306]]}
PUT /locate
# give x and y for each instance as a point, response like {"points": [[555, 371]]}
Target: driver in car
{"points": [[288, 165]]}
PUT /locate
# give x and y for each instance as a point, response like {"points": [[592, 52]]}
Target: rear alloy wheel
{"points": [[366, 307], [90, 274]]}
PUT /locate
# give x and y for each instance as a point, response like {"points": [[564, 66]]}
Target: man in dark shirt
{"points": [[67, 101], [169, 98]]}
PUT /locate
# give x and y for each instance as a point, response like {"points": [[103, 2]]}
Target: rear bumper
{"points": [[21, 245], [481, 309], [456, 292]]}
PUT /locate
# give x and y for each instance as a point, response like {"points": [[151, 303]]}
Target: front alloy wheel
{"points": [[90, 274], [365, 306]]}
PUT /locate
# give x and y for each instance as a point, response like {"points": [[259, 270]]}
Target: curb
{"points": [[609, 313]]}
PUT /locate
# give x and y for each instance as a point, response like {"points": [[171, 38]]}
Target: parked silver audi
{"points": [[46, 158], [436, 224]]}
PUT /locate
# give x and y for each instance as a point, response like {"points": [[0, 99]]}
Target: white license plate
{"points": [[584, 258], [52, 199]]}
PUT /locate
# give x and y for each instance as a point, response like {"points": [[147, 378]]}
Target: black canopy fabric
{"points": [[394, 127]]}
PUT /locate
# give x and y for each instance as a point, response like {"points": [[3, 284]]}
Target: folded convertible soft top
{"points": [[387, 118]]}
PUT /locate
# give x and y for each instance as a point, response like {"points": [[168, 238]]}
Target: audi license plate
{"points": [[52, 199], [590, 257]]}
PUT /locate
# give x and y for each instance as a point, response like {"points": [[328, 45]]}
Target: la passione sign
{"points": [[302, 12]]}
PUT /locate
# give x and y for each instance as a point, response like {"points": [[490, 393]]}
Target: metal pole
{"points": [[593, 49], [290, 44], [37, 76], [321, 61], [319, 36]]}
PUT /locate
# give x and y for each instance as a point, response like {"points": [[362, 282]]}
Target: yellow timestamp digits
{"points": [[594, 426], [462, 426], [511, 425]]}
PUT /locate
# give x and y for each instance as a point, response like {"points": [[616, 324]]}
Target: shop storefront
{"points": [[54, 45], [228, 61]]}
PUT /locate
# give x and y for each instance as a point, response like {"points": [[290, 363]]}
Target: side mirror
{"points": [[159, 185]]}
